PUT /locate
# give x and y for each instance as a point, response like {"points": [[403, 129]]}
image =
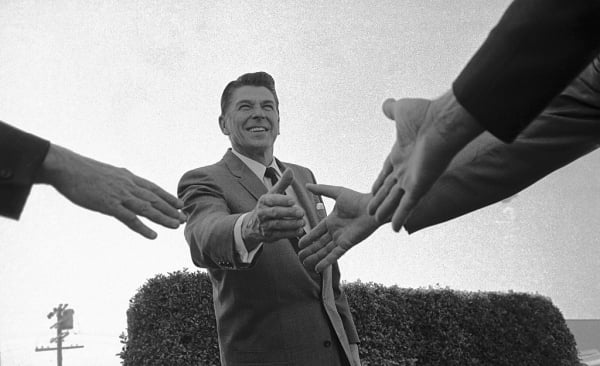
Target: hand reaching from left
{"points": [[110, 190], [346, 226]]}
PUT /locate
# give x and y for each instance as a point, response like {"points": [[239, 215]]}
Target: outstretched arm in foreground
{"points": [[110, 190], [429, 135], [347, 225]]}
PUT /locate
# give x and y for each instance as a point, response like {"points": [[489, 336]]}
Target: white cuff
{"points": [[245, 256]]}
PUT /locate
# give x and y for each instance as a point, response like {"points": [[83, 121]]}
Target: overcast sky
{"points": [[137, 84]]}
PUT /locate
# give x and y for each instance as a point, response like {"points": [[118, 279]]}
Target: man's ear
{"points": [[223, 125], [278, 126]]}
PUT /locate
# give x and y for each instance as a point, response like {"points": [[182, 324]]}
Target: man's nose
{"points": [[258, 112]]}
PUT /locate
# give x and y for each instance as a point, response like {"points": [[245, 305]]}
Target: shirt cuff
{"points": [[245, 256]]}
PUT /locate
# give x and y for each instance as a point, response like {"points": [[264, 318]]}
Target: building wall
{"points": [[586, 332]]}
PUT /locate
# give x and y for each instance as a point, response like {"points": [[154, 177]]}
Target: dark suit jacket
{"points": [[272, 312], [533, 53], [488, 170], [21, 155]]}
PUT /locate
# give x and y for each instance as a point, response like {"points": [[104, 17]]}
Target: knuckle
{"points": [[271, 212], [128, 218]]}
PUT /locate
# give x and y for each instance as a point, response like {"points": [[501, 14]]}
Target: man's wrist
{"points": [[250, 239], [50, 165]]}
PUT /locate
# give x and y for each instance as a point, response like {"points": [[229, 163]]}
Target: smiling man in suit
{"points": [[246, 214]]}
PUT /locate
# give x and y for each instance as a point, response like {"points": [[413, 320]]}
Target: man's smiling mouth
{"points": [[257, 129]]}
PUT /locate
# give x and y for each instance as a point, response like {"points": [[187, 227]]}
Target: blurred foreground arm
{"points": [[486, 171], [429, 135], [86, 182], [532, 54]]}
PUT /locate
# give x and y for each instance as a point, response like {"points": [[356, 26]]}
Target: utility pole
{"points": [[64, 320]]}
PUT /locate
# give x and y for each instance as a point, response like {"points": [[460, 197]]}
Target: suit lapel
{"points": [[306, 201], [305, 198], [244, 175]]}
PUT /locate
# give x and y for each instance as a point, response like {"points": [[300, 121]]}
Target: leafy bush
{"points": [[171, 322], [446, 327]]}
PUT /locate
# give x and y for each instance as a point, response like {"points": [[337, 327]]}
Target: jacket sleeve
{"points": [[488, 170], [209, 228], [21, 155], [532, 54]]}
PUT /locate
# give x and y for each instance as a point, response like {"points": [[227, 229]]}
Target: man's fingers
{"points": [[167, 203], [313, 235], [147, 210], [286, 179], [324, 190], [335, 254], [166, 196], [383, 174], [407, 204], [276, 199], [389, 204], [130, 219], [160, 204], [318, 252], [389, 107], [381, 194], [310, 247], [282, 225], [278, 212]]}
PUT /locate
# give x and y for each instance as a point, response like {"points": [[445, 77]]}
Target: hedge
{"points": [[170, 321]]}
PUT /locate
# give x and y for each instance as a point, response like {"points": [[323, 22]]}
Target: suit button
{"points": [[6, 173], [327, 344]]}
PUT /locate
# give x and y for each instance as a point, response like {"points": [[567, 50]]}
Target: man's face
{"points": [[251, 120]]}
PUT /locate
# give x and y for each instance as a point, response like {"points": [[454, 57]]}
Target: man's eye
{"points": [[268, 107], [244, 107]]}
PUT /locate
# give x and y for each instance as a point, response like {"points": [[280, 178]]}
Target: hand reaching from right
{"points": [[346, 226], [429, 135]]}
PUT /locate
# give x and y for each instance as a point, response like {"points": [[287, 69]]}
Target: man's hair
{"points": [[260, 78]]}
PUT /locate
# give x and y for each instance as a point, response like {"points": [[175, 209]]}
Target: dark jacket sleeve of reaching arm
{"points": [[21, 155], [488, 170], [531, 55]]}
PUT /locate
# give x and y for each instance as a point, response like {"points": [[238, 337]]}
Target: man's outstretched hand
{"points": [[347, 225], [110, 190], [275, 216], [429, 135]]}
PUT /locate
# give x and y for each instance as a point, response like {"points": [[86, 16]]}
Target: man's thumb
{"points": [[388, 108], [286, 179]]}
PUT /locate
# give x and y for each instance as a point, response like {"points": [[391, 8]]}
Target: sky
{"points": [[137, 84]]}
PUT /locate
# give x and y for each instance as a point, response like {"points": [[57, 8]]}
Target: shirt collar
{"points": [[256, 167]]}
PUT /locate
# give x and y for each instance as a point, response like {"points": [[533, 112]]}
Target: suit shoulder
{"points": [[202, 175], [203, 171]]}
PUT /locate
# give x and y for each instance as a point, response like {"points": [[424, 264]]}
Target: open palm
{"points": [[346, 226]]}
